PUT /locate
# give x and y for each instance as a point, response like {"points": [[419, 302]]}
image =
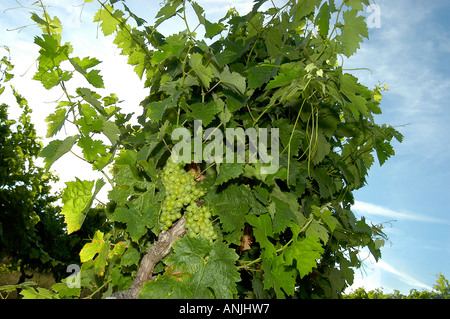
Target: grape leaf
{"points": [[98, 246], [155, 110], [95, 78], [205, 112], [130, 257], [77, 199], [316, 229], [109, 19], [57, 148], [204, 73], [352, 32], [323, 20], [135, 199], [167, 11], [92, 149], [357, 4], [326, 215], [278, 276], [55, 122], [262, 230], [259, 75], [209, 265], [305, 252], [92, 98], [281, 214], [229, 171], [212, 29], [232, 80], [352, 89]]}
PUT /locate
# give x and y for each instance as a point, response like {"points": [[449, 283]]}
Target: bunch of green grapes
{"points": [[183, 197]]}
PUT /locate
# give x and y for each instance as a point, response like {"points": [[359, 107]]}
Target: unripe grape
{"points": [[183, 197]]}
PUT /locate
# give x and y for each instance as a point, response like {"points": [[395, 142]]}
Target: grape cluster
{"points": [[183, 196]]}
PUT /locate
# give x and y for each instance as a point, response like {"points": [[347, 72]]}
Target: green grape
{"points": [[183, 196]]}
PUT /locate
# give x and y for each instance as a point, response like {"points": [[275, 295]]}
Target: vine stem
{"points": [[100, 288]]}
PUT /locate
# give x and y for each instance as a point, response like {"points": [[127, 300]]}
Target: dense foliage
{"points": [[270, 234]]}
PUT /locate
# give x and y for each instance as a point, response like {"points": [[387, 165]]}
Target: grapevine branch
{"points": [[155, 254]]}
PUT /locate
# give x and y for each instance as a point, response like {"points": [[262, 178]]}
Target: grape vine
{"points": [[288, 233]]}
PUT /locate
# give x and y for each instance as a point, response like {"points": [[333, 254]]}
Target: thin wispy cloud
{"points": [[406, 54], [403, 276], [371, 276], [368, 209]]}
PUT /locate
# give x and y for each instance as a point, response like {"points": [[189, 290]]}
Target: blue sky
{"points": [[409, 52]]}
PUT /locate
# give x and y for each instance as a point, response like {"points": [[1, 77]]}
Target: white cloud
{"points": [[403, 276], [372, 276], [407, 54], [368, 209]]}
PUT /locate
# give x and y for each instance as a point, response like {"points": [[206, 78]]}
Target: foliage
{"points": [[32, 233], [441, 290], [288, 233]]}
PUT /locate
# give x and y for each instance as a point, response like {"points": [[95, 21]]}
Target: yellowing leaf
{"points": [[77, 199], [98, 246]]}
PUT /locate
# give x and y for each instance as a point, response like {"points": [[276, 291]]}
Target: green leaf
{"points": [[229, 171], [211, 266], [155, 110], [352, 32], [167, 11], [55, 122], [92, 98], [51, 52], [91, 149], [304, 8], [262, 230], [83, 65], [305, 252], [205, 112], [357, 4], [232, 80], [37, 293], [109, 19], [204, 73], [323, 20], [65, 291], [136, 202], [317, 230], [55, 149], [232, 205], [259, 75], [279, 277], [326, 215], [281, 214], [320, 148], [111, 131], [352, 90], [285, 76], [212, 29], [51, 78], [130, 257], [77, 199], [95, 78]]}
